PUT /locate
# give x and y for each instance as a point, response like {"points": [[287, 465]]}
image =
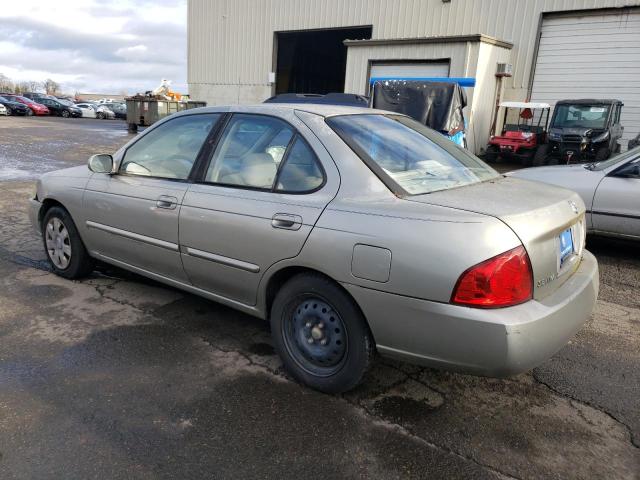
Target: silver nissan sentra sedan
{"points": [[351, 230]]}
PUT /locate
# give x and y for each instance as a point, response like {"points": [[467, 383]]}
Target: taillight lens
{"points": [[501, 281]]}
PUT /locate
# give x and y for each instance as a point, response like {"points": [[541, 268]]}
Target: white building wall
{"points": [[231, 42]]}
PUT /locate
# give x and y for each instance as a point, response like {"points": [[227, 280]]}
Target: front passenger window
{"points": [[171, 149]]}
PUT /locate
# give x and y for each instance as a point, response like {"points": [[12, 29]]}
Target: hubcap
{"points": [[58, 243], [316, 336]]}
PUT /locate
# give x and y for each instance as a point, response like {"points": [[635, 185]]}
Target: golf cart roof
{"points": [[589, 101], [532, 105]]}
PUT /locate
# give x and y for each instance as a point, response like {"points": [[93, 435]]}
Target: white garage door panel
{"points": [[410, 70], [591, 56]]}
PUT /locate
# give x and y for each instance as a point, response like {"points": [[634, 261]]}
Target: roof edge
{"points": [[477, 37]]}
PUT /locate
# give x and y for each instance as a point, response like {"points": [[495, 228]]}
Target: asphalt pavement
{"points": [[119, 377]]}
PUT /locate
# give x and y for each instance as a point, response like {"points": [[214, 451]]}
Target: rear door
{"points": [[616, 204], [262, 192], [132, 216]]}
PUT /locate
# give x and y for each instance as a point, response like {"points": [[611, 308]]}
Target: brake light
{"points": [[501, 281]]}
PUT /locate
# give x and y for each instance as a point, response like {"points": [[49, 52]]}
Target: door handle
{"points": [[286, 221], [166, 202]]}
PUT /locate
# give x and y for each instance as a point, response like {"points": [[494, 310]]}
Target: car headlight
{"points": [[555, 136], [601, 138]]}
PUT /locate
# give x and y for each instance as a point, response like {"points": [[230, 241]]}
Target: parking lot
{"points": [[120, 377]]}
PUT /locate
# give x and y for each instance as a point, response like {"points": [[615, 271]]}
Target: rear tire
{"points": [[492, 154], [320, 334], [64, 247], [9, 112], [100, 116], [29, 112]]}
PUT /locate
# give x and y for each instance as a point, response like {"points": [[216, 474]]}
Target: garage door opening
{"points": [[314, 61]]}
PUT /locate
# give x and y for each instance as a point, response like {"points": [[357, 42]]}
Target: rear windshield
{"points": [[409, 158]]}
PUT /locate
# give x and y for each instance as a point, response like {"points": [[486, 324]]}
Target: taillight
{"points": [[501, 281]]}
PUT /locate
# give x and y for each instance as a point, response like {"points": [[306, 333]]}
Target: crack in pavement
{"points": [[600, 409]]}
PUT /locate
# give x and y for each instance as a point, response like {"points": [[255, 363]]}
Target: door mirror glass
{"points": [[101, 163]]}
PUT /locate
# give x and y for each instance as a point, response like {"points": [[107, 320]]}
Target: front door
{"points": [[616, 204], [265, 187], [132, 216]]}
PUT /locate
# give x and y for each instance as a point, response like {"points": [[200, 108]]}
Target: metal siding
{"points": [[591, 57], [231, 41]]}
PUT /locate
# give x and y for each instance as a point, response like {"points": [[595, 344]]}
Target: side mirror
{"points": [[101, 163]]}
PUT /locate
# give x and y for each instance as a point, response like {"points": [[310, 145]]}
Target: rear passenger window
{"points": [[301, 171], [250, 151]]}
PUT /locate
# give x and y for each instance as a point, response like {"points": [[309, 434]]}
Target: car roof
{"points": [[275, 108], [589, 101]]}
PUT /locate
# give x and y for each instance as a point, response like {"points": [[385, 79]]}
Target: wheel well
{"points": [[283, 276], [47, 204]]}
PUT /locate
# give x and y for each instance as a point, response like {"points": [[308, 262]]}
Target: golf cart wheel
{"points": [[540, 157], [527, 158], [65, 113], [492, 154], [64, 247], [602, 154], [320, 334], [29, 112]]}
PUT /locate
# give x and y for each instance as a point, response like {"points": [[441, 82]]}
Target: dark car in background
{"points": [[35, 96], [120, 109], [62, 108], [35, 108], [13, 107]]}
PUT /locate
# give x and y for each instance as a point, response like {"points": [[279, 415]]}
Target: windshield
{"points": [[414, 157], [580, 116]]}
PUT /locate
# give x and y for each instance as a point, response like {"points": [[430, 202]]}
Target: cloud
{"points": [[127, 45]]}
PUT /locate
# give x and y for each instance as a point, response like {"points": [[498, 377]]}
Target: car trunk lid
{"points": [[537, 213]]}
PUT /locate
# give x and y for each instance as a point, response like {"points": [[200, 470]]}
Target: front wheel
{"points": [[9, 112], [320, 334], [602, 154], [540, 157], [100, 116], [65, 250], [65, 113], [492, 153]]}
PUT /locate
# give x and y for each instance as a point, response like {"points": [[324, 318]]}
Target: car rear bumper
{"points": [[492, 342]]}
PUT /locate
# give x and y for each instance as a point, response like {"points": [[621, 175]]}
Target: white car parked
{"points": [[3, 110], [91, 110]]}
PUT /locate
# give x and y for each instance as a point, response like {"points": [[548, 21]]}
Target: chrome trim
{"points": [[133, 236], [229, 262]]}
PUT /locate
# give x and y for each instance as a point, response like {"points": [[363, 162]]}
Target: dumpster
{"points": [[145, 110]]}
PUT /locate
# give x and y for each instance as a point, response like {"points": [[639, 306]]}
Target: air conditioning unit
{"points": [[504, 70]]}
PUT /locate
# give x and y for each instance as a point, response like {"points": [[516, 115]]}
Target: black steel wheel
{"points": [[320, 333]]}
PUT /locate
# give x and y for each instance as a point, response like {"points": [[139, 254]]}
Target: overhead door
{"points": [[409, 70], [592, 56]]}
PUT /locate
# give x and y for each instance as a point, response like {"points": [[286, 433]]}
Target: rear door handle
{"points": [[286, 221], [164, 201]]}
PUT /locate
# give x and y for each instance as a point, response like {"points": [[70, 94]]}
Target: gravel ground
{"points": [[118, 377]]}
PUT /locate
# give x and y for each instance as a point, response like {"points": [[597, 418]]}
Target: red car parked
{"points": [[36, 108]]}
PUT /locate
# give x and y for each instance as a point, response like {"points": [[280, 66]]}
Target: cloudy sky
{"points": [[102, 46]]}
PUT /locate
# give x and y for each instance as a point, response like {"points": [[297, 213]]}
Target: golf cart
{"points": [[583, 131], [520, 141]]}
